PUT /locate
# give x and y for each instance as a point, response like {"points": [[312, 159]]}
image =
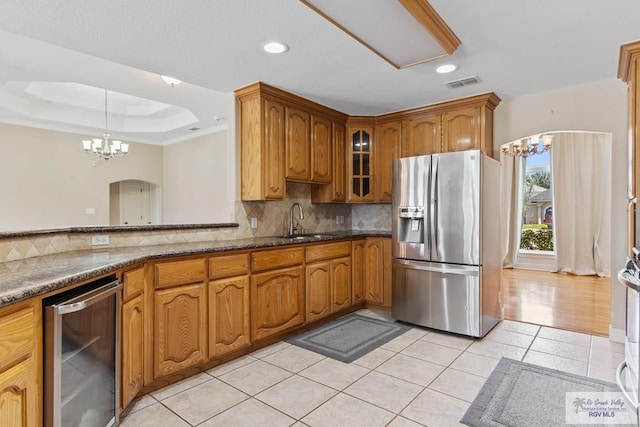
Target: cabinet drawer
{"points": [[228, 266], [328, 251], [179, 272], [17, 332], [268, 260], [133, 283]]}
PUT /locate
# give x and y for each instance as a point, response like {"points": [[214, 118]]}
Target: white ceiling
{"points": [[516, 47]]}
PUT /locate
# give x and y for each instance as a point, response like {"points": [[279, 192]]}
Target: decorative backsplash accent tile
{"points": [[272, 217]]}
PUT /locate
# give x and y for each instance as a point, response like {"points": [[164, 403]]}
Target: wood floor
{"points": [[575, 303]]}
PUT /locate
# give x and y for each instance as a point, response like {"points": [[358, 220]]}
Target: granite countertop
{"points": [[23, 279]]}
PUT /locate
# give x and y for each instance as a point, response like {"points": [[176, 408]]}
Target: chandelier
{"points": [[104, 147], [528, 147]]}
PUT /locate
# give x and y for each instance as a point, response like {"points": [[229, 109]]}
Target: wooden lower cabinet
{"points": [[19, 395], [377, 255], [229, 327], [180, 328], [132, 366], [357, 272], [277, 301], [340, 284], [318, 290]]}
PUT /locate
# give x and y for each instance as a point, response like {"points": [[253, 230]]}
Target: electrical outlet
{"points": [[254, 222], [102, 239], [337, 219], [341, 219]]}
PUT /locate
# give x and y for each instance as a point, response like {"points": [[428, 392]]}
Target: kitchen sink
{"points": [[306, 236]]}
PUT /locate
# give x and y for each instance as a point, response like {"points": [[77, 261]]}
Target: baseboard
{"points": [[616, 335], [536, 260]]}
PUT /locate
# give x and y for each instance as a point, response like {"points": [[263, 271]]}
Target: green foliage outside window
{"points": [[540, 239]]}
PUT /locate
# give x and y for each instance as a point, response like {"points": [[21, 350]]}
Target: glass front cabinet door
{"points": [[360, 164]]}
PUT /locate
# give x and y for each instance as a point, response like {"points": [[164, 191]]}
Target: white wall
{"points": [[47, 180], [196, 180], [599, 106]]}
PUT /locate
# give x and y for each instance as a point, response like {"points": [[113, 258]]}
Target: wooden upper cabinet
{"points": [[629, 72], [421, 135], [360, 163], [336, 191], [262, 145], [387, 148], [297, 144], [273, 161], [321, 149], [461, 129]]}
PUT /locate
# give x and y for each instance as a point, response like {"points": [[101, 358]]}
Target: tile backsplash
{"points": [[272, 220]]}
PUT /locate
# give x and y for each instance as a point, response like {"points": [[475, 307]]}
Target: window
{"points": [[537, 204]]}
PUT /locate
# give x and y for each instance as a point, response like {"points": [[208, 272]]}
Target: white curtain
{"points": [[512, 178], [581, 180]]}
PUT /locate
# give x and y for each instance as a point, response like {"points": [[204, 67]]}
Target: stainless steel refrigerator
{"points": [[446, 242]]}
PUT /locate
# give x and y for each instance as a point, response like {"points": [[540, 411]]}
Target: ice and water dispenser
{"points": [[411, 224]]}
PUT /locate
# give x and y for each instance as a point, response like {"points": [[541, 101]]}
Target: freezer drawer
{"points": [[439, 296]]}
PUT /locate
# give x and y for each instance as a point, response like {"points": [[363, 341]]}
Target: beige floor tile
{"points": [[497, 350], [251, 412], [153, 416], [255, 377], [475, 364], [343, 410], [141, 403], [458, 384], [181, 386], [403, 422], [602, 344], [382, 390], [564, 336], [556, 362], [605, 358], [509, 337], [296, 396], [416, 333], [519, 327], [399, 343], [259, 354], [410, 369], [435, 409], [376, 314], [334, 374], [449, 340], [561, 349], [230, 366], [204, 401], [602, 372], [293, 358], [432, 352], [374, 358]]}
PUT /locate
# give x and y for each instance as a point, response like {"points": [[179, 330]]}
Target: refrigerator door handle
{"points": [[433, 205], [440, 268]]}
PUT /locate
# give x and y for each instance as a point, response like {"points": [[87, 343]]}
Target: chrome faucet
{"points": [[292, 229]]}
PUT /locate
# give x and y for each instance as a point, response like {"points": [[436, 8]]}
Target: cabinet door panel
{"points": [[321, 146], [388, 138], [360, 177], [421, 135], [318, 288], [341, 283], [461, 129], [277, 301], [19, 395], [374, 271], [180, 328], [229, 326], [132, 349], [357, 272], [298, 145], [273, 159]]}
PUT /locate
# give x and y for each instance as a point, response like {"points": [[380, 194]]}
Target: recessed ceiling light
{"points": [[275, 47], [171, 81], [446, 68]]}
